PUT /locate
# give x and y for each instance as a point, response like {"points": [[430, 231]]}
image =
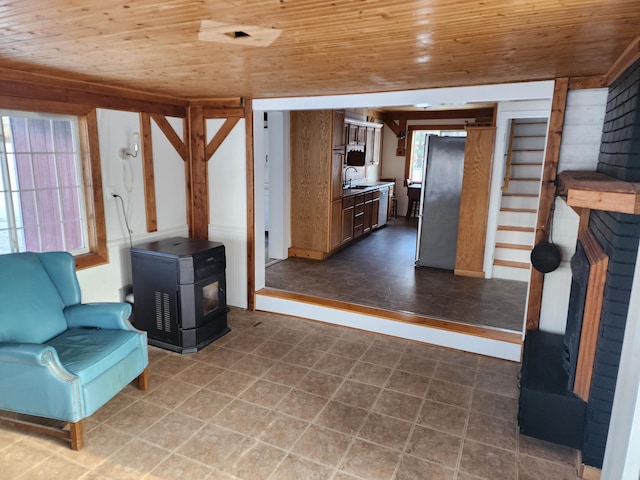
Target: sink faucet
{"points": [[346, 182]]}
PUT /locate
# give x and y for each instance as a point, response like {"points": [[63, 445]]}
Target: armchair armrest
{"points": [[102, 315], [34, 381], [25, 353]]}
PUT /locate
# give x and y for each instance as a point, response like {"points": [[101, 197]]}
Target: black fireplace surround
{"points": [[618, 234]]}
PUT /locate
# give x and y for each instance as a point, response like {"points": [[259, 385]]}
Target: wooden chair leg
{"points": [[76, 435], [143, 379]]}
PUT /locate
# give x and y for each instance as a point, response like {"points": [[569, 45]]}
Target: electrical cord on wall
{"points": [[124, 214]]}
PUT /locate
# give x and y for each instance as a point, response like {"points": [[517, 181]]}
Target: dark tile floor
{"points": [[281, 398], [379, 271]]}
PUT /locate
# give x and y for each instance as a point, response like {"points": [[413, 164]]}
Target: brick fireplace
{"points": [[610, 225], [618, 234]]}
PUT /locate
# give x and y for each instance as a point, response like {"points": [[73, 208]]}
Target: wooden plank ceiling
{"points": [[318, 47]]}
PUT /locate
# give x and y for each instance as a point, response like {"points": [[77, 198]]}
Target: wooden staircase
{"points": [[518, 208]]}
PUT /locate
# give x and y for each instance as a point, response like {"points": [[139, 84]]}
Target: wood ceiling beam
{"points": [[438, 114], [580, 83], [42, 87], [172, 136], [219, 137], [393, 126]]}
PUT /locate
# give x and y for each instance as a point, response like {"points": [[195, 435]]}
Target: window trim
{"points": [[409, 140], [91, 171]]}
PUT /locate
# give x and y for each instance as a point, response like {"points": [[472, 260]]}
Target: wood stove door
{"points": [[202, 301]]}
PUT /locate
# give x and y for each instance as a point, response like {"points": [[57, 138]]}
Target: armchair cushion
{"points": [[88, 353]]}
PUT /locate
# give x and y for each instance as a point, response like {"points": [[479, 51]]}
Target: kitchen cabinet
{"points": [[316, 182], [377, 145], [348, 208], [367, 135], [358, 216], [369, 149]]}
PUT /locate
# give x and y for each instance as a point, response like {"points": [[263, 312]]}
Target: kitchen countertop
{"points": [[369, 186]]}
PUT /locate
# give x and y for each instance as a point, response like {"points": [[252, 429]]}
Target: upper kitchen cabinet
{"points": [[317, 156], [339, 134], [367, 137]]}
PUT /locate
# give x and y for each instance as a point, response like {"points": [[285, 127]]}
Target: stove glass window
{"points": [[210, 295]]}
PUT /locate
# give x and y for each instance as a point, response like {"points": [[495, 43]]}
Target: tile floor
{"points": [[285, 398], [379, 271]]}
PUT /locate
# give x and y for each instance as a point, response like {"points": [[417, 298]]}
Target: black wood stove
{"points": [[179, 289]]}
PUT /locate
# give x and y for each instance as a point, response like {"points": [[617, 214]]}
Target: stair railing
{"points": [[507, 171]]}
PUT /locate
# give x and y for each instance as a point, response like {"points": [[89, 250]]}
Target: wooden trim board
{"points": [[598, 263], [547, 194]]}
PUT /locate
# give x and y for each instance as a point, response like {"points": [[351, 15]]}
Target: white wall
{"points": [[228, 206], [103, 283], [581, 135]]}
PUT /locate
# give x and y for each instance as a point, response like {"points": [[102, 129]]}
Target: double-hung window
{"points": [[42, 198]]}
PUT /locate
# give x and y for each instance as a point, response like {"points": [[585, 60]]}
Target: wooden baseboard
{"points": [[312, 254], [468, 273]]}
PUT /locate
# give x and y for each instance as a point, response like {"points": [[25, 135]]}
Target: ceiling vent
{"points": [[232, 33]]}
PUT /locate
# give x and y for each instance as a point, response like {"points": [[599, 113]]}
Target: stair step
{"points": [[524, 186], [526, 157], [511, 237], [508, 273], [532, 143], [517, 219], [525, 170], [518, 210], [508, 263], [516, 229], [511, 255], [519, 202], [515, 246]]}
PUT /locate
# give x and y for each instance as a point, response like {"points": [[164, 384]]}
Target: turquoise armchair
{"points": [[61, 359]]}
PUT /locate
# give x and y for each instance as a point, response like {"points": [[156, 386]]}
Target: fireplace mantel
{"points": [[596, 191]]}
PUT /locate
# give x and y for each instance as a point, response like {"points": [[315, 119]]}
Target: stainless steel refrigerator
{"points": [[440, 204]]}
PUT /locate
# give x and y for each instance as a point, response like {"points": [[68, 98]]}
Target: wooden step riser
{"points": [[512, 255], [517, 219], [526, 157], [527, 186], [519, 238], [538, 129], [528, 143], [519, 202], [507, 273], [526, 171]]}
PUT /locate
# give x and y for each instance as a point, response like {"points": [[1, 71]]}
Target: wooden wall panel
{"points": [[474, 203]]}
